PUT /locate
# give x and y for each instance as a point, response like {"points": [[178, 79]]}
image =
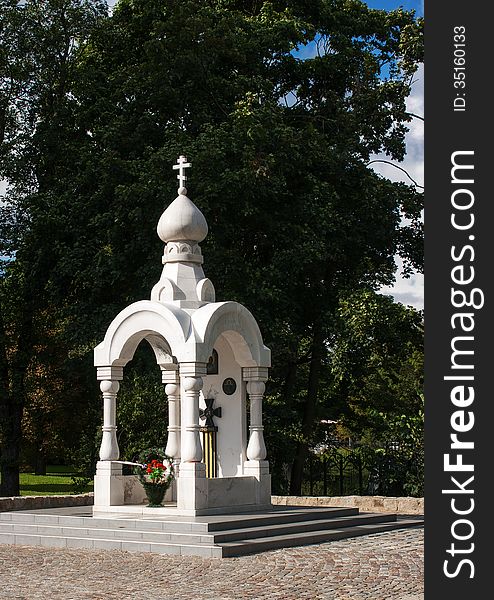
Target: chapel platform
{"points": [[214, 536]]}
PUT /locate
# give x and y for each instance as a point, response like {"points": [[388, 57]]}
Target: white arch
{"points": [[165, 327], [235, 323]]}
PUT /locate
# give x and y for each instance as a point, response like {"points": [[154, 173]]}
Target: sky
{"points": [[416, 5], [408, 291]]}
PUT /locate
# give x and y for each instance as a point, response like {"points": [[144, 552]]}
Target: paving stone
{"points": [[383, 566]]}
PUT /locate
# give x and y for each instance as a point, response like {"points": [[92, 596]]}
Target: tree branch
{"points": [[387, 162], [416, 116]]}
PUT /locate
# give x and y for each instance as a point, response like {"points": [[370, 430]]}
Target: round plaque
{"points": [[229, 386]]}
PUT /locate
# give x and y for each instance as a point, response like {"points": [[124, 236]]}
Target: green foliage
{"points": [[142, 409], [378, 363], [80, 485], [83, 455], [403, 440], [102, 105]]}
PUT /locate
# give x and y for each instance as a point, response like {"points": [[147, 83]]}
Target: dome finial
{"points": [[182, 221], [182, 178]]}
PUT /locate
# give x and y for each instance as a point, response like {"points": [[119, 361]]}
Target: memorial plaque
{"points": [[229, 386]]}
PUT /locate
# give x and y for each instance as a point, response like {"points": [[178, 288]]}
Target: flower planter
{"points": [[155, 492], [156, 473]]}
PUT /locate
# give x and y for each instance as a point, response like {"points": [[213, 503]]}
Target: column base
{"points": [[108, 484], [192, 487], [260, 470]]}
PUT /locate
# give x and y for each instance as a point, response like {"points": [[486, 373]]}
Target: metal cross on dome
{"points": [[181, 166]]}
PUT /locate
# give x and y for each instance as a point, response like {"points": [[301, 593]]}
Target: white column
{"points": [[172, 391], [192, 485], [256, 449], [191, 442], [109, 446]]}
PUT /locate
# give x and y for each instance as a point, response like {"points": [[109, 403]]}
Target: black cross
{"points": [[208, 413]]}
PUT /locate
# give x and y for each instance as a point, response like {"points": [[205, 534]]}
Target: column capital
{"points": [[193, 369], [170, 375], [109, 373], [255, 387], [255, 373], [192, 384]]}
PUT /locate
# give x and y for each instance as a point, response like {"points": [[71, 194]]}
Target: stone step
{"points": [[197, 525], [204, 550], [251, 546], [30, 518], [136, 533], [213, 536], [113, 534], [280, 529], [278, 516]]}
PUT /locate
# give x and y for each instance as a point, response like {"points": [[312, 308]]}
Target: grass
{"points": [[56, 481]]}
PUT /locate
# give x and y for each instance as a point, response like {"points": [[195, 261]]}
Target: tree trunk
{"points": [[10, 474], [12, 401], [40, 464], [289, 384], [302, 450], [11, 436]]}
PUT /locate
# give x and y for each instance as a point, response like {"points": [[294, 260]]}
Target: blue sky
{"points": [[408, 291], [416, 5]]}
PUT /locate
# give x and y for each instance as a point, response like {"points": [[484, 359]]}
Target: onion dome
{"points": [[182, 220]]}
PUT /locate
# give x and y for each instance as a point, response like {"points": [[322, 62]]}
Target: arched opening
{"points": [[142, 412]]}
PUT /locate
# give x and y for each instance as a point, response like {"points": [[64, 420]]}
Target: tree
{"points": [[220, 82], [378, 365], [280, 146], [39, 48]]}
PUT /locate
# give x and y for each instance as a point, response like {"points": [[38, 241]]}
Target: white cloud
{"points": [[409, 291]]}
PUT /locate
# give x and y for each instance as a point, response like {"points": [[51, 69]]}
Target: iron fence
{"points": [[343, 471]]}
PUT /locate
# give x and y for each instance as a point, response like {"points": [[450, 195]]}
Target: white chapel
{"points": [[214, 366]]}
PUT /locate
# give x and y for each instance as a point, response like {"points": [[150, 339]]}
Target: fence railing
{"points": [[342, 471]]}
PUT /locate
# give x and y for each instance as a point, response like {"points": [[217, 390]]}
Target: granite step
{"points": [[95, 532], [137, 533], [38, 518], [205, 550], [252, 546], [276, 517], [212, 536], [195, 525], [302, 527]]}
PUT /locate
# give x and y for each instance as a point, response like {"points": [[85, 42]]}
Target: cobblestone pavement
{"points": [[383, 566]]}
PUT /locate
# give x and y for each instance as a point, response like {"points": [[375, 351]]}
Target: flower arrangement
{"points": [[156, 473]]}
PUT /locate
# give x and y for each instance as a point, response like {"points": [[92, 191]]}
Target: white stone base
{"points": [[108, 484], [172, 511], [111, 488], [192, 487], [191, 494], [259, 469]]}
